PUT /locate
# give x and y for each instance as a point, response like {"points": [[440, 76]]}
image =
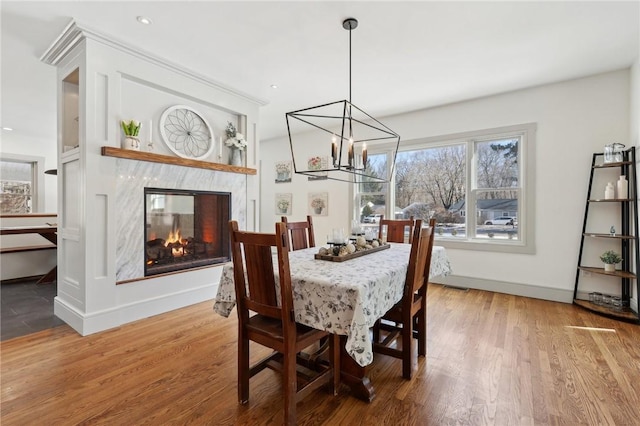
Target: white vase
{"points": [[235, 157], [609, 192], [609, 267], [131, 142], [623, 187]]}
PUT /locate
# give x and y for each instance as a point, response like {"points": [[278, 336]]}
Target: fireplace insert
{"points": [[185, 229]]}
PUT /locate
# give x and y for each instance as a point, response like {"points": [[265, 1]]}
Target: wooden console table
{"points": [[47, 232]]}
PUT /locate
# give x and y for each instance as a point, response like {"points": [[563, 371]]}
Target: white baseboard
{"points": [[69, 314], [537, 292], [89, 323]]}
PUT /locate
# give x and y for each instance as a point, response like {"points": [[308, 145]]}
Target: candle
{"points": [[150, 130], [350, 152], [220, 148], [364, 155], [334, 148]]}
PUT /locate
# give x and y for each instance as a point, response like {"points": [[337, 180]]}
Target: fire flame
{"points": [[173, 238]]}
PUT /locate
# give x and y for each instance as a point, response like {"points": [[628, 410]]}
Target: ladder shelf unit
{"points": [[626, 242]]}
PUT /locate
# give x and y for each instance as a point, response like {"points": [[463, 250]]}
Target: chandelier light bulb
{"points": [[364, 155]]}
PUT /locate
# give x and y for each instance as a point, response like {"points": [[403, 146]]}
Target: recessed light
{"points": [[144, 20], [274, 86], [8, 129]]}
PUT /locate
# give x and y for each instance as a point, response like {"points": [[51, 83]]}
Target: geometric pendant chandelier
{"points": [[329, 141]]}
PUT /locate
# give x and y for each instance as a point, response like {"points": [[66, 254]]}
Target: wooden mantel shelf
{"points": [[128, 154]]}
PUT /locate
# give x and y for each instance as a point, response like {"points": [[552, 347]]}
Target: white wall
{"points": [[41, 104], [574, 119]]}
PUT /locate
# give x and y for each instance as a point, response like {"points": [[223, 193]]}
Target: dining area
{"points": [[492, 359], [337, 314]]}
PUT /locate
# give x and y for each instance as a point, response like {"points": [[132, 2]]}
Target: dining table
{"points": [[344, 298], [48, 232]]}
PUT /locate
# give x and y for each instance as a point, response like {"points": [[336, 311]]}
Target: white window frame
{"points": [[525, 243], [37, 177]]}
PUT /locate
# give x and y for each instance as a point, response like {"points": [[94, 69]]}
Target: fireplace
{"points": [[185, 229]]}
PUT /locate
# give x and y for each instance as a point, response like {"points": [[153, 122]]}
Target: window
{"points": [[371, 198], [475, 184], [19, 184]]}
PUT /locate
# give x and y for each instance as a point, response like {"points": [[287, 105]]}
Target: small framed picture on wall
{"points": [[319, 203], [283, 171], [283, 204], [318, 163]]}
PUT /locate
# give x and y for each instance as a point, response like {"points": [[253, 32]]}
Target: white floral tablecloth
{"points": [[343, 297]]}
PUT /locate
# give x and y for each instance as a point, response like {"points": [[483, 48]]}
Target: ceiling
{"points": [[406, 55]]}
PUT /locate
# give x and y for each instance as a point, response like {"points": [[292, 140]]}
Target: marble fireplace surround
{"points": [[133, 176]]}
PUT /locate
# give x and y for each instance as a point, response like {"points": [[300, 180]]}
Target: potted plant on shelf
{"points": [[131, 129], [610, 259]]}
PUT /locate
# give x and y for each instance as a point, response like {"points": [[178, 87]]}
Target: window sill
{"points": [[499, 246]]}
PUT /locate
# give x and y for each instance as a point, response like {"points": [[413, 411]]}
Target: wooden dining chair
{"points": [[411, 311], [273, 324], [301, 233], [396, 229]]}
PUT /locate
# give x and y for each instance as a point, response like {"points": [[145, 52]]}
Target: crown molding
{"points": [[74, 33]]}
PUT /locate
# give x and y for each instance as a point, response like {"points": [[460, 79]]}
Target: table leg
{"points": [[354, 375], [52, 275], [49, 277]]}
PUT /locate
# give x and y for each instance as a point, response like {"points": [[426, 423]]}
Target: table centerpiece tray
{"points": [[335, 258]]}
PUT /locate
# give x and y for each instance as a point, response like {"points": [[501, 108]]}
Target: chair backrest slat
{"points": [[301, 233], [396, 229], [420, 258], [260, 277], [253, 271]]}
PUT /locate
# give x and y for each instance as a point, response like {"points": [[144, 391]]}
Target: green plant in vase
{"points": [[610, 259], [131, 130]]}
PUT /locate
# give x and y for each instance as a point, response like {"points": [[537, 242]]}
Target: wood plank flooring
{"points": [[493, 359]]}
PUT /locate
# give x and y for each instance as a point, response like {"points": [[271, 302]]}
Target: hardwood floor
{"points": [[492, 359]]}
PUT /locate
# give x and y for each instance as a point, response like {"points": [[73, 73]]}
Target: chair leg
{"points": [[289, 384], [334, 359], [376, 332], [422, 333], [243, 368], [407, 341]]}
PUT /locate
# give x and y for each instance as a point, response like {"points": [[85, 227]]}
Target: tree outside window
{"points": [[372, 194]]}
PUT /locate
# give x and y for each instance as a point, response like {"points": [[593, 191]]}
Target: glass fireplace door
{"points": [[185, 229]]}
